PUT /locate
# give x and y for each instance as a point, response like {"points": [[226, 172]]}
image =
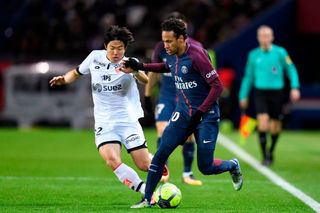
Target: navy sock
{"points": [[158, 145], [158, 142], [188, 153], [154, 176]]}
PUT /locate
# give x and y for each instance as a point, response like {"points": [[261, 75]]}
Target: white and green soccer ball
{"points": [[168, 195]]}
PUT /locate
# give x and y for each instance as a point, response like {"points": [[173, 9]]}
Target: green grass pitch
{"points": [[60, 170]]}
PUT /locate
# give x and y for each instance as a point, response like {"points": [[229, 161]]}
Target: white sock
{"points": [[130, 178], [186, 174]]}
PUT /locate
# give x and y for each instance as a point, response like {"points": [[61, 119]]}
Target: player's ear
{"points": [[181, 38], [105, 46]]}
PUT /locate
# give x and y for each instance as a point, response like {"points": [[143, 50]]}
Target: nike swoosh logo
{"points": [[206, 141]]}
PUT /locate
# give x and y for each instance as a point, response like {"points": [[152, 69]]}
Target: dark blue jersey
{"points": [[193, 76], [167, 88]]}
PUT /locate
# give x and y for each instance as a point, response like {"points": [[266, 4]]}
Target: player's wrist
{"points": [[135, 72]]}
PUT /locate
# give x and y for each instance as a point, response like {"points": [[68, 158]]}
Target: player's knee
{"points": [[205, 169], [113, 161], [143, 165]]}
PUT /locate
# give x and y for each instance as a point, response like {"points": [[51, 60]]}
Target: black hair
{"points": [[115, 32], [175, 25]]}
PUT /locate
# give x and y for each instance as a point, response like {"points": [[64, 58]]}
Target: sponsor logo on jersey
{"points": [[99, 88], [180, 84], [212, 73], [186, 85], [207, 141], [106, 77], [97, 67], [184, 69], [131, 138]]}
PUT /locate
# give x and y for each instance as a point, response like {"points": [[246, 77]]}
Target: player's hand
{"points": [[195, 120], [133, 63], [294, 95], [244, 104], [148, 104], [57, 80]]}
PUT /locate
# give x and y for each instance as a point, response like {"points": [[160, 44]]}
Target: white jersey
{"points": [[115, 94]]}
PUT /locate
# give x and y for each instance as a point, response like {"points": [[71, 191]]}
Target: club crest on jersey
{"points": [[184, 69]]}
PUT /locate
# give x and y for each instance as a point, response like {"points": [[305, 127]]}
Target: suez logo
{"points": [[212, 73], [99, 88]]}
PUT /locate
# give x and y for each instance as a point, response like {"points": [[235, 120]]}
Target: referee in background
{"points": [[265, 70]]}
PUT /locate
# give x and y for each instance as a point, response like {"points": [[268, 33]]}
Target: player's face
{"points": [[170, 42], [115, 51], [265, 38]]}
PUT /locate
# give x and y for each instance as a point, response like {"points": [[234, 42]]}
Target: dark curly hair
{"points": [[175, 25], [115, 32]]}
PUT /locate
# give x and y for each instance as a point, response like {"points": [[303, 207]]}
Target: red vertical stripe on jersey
{"points": [[184, 95]]}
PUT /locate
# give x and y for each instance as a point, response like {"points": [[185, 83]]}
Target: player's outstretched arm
{"points": [[131, 64], [141, 77], [67, 78]]}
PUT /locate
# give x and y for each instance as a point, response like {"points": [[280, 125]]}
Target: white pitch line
{"points": [[276, 179]]}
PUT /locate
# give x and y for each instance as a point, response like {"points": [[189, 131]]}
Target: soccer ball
{"points": [[168, 195]]}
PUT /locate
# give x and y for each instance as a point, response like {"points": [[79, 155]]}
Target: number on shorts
{"points": [[175, 116], [159, 109], [98, 130]]}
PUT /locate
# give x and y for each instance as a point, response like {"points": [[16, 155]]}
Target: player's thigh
{"points": [[206, 136], [141, 158], [175, 134]]}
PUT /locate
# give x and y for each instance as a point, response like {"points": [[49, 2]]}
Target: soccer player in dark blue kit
{"points": [[198, 87], [167, 103]]}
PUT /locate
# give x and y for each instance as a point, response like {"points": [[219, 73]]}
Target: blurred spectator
{"points": [[58, 28]]}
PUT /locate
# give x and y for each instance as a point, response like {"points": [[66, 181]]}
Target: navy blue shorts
{"points": [[164, 109], [176, 133]]}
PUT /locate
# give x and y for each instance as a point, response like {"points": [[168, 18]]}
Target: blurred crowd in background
{"points": [[72, 28], [68, 30]]}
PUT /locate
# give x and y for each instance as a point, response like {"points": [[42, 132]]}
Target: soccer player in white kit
{"points": [[117, 106]]}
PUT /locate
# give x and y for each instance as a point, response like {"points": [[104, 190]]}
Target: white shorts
{"points": [[129, 134]]}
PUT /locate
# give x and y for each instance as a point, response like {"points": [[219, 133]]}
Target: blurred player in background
{"points": [[167, 103], [117, 106], [197, 111], [264, 71]]}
